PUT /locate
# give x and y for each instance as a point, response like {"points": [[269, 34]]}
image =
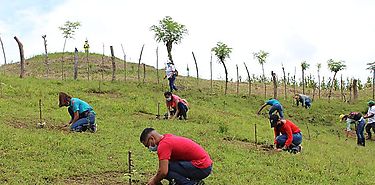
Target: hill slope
{"points": [[223, 125]]}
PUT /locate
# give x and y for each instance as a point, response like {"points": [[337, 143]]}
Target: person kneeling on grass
{"points": [[181, 160], [355, 117], [303, 99], [81, 113], [177, 107], [287, 135]]}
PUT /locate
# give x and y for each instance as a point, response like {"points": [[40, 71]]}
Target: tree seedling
{"points": [[40, 124]]}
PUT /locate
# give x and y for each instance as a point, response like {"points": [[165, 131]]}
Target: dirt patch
{"points": [[110, 177], [261, 146], [107, 93], [32, 124]]}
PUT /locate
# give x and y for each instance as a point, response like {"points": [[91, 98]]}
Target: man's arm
{"points": [[177, 110], [161, 174], [261, 108], [75, 118]]}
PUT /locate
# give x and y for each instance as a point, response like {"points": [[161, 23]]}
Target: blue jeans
{"points": [[297, 140], [360, 129], [278, 108], [171, 83], [185, 173], [183, 110], [307, 103], [83, 121]]}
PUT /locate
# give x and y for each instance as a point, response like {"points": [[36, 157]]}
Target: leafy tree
{"points": [[304, 66], [169, 32], [371, 66], [334, 66], [68, 31], [222, 52], [261, 56]]}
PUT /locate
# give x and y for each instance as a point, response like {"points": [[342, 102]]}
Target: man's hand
{"points": [[278, 149], [258, 113]]}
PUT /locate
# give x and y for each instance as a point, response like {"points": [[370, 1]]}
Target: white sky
{"points": [[290, 30]]}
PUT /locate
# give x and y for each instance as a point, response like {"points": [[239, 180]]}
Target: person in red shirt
{"points": [[287, 135], [181, 160], [177, 107]]}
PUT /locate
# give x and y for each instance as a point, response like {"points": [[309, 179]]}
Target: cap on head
{"points": [[273, 120], [145, 133], [371, 103]]}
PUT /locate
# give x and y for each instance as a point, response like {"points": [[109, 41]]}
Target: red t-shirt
{"points": [[288, 128], [175, 148], [175, 99]]}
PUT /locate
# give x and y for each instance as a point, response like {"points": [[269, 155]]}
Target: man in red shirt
{"points": [[287, 135], [181, 160]]}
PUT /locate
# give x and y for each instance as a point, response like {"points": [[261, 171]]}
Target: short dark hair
{"points": [[168, 93], [274, 118], [145, 133]]}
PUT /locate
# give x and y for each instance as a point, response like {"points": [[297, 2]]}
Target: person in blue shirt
{"points": [[275, 106], [81, 113]]}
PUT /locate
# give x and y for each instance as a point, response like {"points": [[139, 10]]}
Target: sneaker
{"points": [[93, 128], [201, 182]]}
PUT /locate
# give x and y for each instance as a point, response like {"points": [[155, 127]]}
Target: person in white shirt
{"points": [[370, 116], [170, 74]]}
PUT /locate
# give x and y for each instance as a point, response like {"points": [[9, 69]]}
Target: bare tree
{"points": [[75, 64], [284, 81], [248, 78], [22, 56], [46, 55], [196, 67], [113, 64], [2, 47], [139, 63], [274, 84]]}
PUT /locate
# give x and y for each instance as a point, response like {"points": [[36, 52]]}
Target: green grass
{"points": [[223, 125]]}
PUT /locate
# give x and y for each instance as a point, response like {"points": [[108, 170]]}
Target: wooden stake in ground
{"points": [[139, 63], [157, 63], [86, 46], [113, 64], [22, 56], [274, 84], [40, 111], [2, 47], [130, 165], [158, 115], [238, 81], [249, 78], [294, 80], [308, 130], [123, 52], [75, 63], [211, 70], [196, 67], [144, 73], [255, 136], [101, 70], [46, 55]]}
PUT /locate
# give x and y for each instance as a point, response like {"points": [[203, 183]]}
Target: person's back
{"points": [[176, 148], [272, 102], [286, 126], [80, 106]]}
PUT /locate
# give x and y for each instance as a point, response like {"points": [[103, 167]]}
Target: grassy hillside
{"points": [[223, 125]]}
